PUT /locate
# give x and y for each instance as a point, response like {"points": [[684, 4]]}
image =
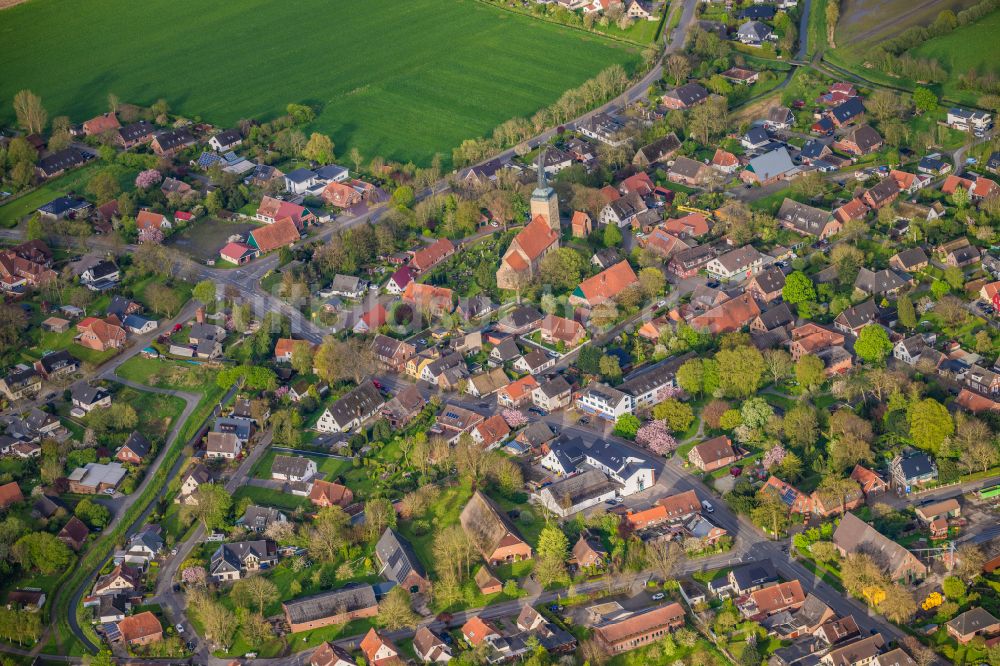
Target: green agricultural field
{"points": [[398, 79], [970, 47]]}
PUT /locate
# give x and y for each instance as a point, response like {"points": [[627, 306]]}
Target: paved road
{"points": [[174, 603]]}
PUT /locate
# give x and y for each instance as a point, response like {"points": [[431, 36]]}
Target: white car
{"points": [[179, 627], [657, 596], [109, 491], [707, 506]]}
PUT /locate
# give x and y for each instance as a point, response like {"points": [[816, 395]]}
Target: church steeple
{"points": [[540, 167], [544, 201]]}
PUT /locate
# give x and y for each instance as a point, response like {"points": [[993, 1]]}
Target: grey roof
{"points": [[813, 149], [345, 284], [772, 164], [740, 258], [780, 114], [330, 172], [87, 394], [230, 556], [689, 93], [859, 315], [259, 517], [174, 138], [138, 444], [848, 110], [242, 428], [912, 257], [763, 12], [754, 574], [770, 279], [300, 175], [62, 160], [538, 432], [507, 350], [535, 359], [555, 387], [854, 534], [359, 401], [807, 219], [61, 205], [228, 137], [290, 465], [522, 316], [972, 621], [881, 282], [867, 139], [757, 135], [916, 465], [661, 148], [754, 30], [397, 557], [627, 206], [578, 488], [779, 315], [136, 131], [883, 191], [334, 602], [654, 377], [148, 538], [687, 167]]}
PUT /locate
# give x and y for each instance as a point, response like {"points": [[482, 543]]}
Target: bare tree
{"points": [[31, 115]]}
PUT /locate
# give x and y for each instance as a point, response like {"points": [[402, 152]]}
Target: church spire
{"points": [[542, 184]]}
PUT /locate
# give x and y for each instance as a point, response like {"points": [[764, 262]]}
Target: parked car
{"points": [[657, 596], [707, 506]]}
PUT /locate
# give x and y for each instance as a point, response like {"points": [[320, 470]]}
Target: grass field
{"points": [[970, 47], [865, 22], [401, 80]]}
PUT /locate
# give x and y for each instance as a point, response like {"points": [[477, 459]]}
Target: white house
{"points": [[353, 409], [633, 471], [739, 263], [293, 468], [969, 121], [604, 401]]}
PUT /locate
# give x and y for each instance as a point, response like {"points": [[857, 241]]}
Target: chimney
{"points": [[199, 315]]}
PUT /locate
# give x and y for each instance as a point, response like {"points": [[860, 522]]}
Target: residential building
{"points": [[859, 653], [135, 449], [731, 315], [429, 647], [352, 409], [399, 563], [95, 478], [259, 518], [854, 535], [292, 468], [640, 628], [380, 651], [685, 96], [713, 454], [232, 561], [100, 334], [576, 493], [326, 493], [859, 141], [872, 485], [553, 394], [974, 622], [808, 220], [912, 469], [856, 317], [604, 401], [769, 168], [225, 445], [965, 120], [328, 654], [281, 233], [341, 606], [740, 263], [660, 150], [604, 286], [687, 171], [556, 330], [491, 532], [140, 629]]}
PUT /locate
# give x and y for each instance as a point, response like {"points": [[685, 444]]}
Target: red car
{"points": [[735, 471], [178, 327]]}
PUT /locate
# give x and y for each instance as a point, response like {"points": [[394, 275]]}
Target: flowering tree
{"points": [[514, 418], [151, 235], [656, 436], [146, 179], [281, 392], [773, 457], [671, 392], [194, 576]]}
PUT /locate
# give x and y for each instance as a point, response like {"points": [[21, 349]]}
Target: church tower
{"points": [[544, 201]]}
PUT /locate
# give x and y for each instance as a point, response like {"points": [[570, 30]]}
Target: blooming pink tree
{"points": [[281, 392], [151, 235], [146, 179], [194, 576], [773, 457], [670, 392], [656, 436], [514, 418]]}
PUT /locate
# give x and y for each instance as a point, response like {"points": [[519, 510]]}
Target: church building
{"points": [[521, 260]]}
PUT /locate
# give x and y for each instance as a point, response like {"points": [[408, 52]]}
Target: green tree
{"points": [[907, 313], [691, 376], [35, 230], [930, 424], [741, 371], [954, 276], [612, 236], [798, 289], [255, 591], [953, 587], [801, 425], [610, 368], [873, 345], [562, 268], [395, 610], [403, 196], [627, 425], [770, 514], [925, 99], [104, 186], [319, 148], [652, 281], [588, 361], [810, 371], [42, 552], [552, 542], [95, 515], [205, 291], [286, 427], [212, 509], [302, 357], [677, 415]]}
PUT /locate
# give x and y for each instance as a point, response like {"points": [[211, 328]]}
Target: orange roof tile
{"points": [[283, 232], [607, 284], [518, 389], [724, 158], [10, 493], [138, 626], [477, 629], [535, 238], [732, 315]]}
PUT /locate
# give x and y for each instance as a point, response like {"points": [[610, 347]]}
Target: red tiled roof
{"points": [[139, 626], [101, 124], [280, 234], [10, 493], [477, 629], [607, 284], [535, 238], [429, 256], [147, 219], [732, 315], [234, 251], [518, 389], [692, 224], [724, 158]]}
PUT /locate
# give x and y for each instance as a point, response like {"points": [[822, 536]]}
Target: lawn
{"points": [[400, 80], [268, 497], [969, 47], [74, 181]]}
